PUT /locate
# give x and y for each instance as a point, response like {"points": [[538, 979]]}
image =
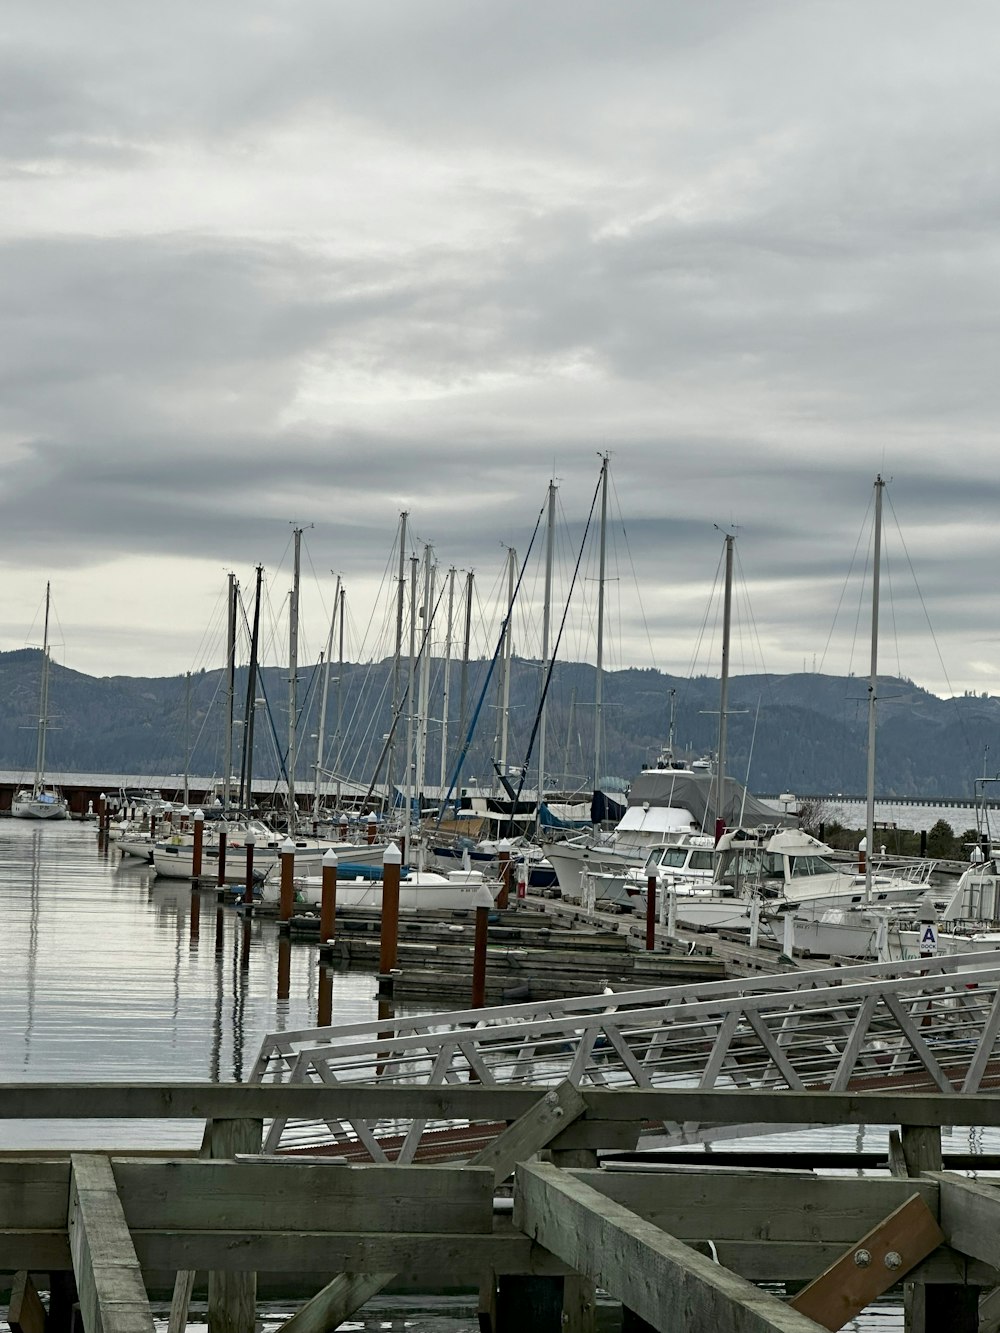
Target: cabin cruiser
{"points": [[685, 864], [667, 803]]}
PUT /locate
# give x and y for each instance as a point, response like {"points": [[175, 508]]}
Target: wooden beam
{"points": [[232, 1296], [880, 1259], [108, 1278], [666, 1283], [533, 1131], [201, 1101], [970, 1216]]}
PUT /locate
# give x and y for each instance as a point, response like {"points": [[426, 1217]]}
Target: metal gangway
{"points": [[924, 1025]]}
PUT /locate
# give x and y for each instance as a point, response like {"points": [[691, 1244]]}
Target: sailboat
{"points": [[40, 801]]}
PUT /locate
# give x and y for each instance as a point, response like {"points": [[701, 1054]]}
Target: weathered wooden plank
{"points": [[25, 1313], [869, 1268], [108, 1278], [203, 1101], [33, 1191], [528, 1135], [665, 1282], [315, 1196], [970, 1216], [921, 1146]]}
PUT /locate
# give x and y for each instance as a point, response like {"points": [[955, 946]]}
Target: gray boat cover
{"points": [[699, 793]]}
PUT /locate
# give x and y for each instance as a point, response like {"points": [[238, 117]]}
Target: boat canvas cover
{"points": [[658, 819], [698, 792]]}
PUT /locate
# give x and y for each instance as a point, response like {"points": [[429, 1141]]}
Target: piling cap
{"points": [[185, 812], [484, 898], [199, 816], [392, 856], [330, 857], [371, 817], [287, 848], [503, 846], [249, 839]]}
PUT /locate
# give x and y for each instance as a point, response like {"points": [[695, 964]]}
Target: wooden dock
{"points": [[680, 1248]]}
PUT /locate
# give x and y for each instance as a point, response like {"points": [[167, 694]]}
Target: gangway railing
{"points": [[922, 1025]]}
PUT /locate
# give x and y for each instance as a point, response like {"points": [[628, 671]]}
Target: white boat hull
{"points": [[27, 806], [425, 891]]}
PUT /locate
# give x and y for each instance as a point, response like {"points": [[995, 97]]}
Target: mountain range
{"points": [[804, 733]]}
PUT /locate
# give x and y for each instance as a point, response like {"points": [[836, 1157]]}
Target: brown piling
{"points": [[484, 902], [372, 827], [651, 913], [287, 893], [503, 850], [328, 901], [390, 918], [223, 840], [248, 887], [199, 842]]}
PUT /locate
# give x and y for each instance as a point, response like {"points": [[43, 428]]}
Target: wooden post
{"points": [[372, 828], [484, 901], [503, 851], [223, 841], [199, 840], [287, 893], [328, 899], [388, 939], [185, 816], [651, 913], [232, 1296], [248, 842]]}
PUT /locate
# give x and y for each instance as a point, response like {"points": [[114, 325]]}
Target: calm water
{"points": [[110, 973]]}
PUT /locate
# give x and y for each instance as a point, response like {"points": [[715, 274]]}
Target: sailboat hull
{"points": [[38, 805]]}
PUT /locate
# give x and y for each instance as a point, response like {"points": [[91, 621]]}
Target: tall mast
{"points": [[246, 766], [293, 676], [230, 686], [546, 631], [338, 751], [43, 700], [872, 689], [398, 654], [505, 678], [187, 738], [463, 700], [446, 685], [321, 729], [727, 612], [411, 698], [599, 678], [423, 706]]}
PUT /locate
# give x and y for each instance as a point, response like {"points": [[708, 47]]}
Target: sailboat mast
{"points": [[446, 684], [398, 654], [411, 700], [293, 676], [321, 729], [246, 766], [230, 688], [43, 700], [463, 697], [507, 645], [727, 614], [338, 750], [599, 676], [872, 690], [425, 675], [546, 632]]}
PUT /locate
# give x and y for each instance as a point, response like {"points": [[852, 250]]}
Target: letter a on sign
{"points": [[928, 938]]}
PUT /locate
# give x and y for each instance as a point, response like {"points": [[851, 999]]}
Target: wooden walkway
{"points": [[682, 1249]]}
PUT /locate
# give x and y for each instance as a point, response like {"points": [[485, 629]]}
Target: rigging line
{"points": [[635, 576], [847, 579], [403, 699], [930, 627], [548, 678], [746, 780], [467, 744]]}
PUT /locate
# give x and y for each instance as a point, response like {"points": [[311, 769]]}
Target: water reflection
{"points": [[104, 977]]}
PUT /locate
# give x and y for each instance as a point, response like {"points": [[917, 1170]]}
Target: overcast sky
{"points": [[319, 263]]}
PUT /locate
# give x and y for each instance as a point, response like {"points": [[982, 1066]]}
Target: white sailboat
{"points": [[40, 801]]}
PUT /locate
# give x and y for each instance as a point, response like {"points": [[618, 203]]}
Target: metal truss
{"points": [[922, 1025]]}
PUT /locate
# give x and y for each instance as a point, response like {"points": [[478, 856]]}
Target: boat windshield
{"points": [[809, 865], [752, 864]]}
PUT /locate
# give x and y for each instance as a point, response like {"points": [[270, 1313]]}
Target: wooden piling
{"points": [[248, 842], [287, 891], [223, 840], [389, 936], [372, 828], [328, 902], [484, 902], [503, 855], [199, 841]]}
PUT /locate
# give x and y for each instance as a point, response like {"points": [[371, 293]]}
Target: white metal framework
{"points": [[925, 1025]]}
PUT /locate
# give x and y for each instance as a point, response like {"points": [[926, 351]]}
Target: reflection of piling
{"points": [[284, 967], [651, 913], [195, 915], [245, 949], [328, 899], [287, 891], [503, 852], [223, 840], [324, 1003], [220, 928], [199, 841], [152, 824], [388, 939], [484, 902], [248, 889]]}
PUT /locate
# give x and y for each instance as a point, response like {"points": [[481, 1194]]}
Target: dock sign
{"points": [[928, 938]]}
